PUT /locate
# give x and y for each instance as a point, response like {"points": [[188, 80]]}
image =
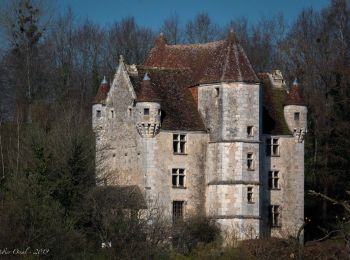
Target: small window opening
{"points": [[250, 131], [250, 161], [146, 111], [250, 194], [275, 216], [112, 113], [98, 113], [178, 208], [274, 180], [217, 92], [296, 116]]}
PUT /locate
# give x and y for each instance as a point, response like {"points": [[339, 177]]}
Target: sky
{"points": [[151, 13]]}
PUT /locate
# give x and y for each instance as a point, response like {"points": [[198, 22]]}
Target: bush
{"points": [[193, 232]]}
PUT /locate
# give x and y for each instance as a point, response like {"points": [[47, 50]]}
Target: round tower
{"points": [[148, 110], [99, 106], [295, 112]]}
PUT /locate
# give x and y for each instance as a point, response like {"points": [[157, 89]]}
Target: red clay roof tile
{"points": [[102, 93], [220, 61]]}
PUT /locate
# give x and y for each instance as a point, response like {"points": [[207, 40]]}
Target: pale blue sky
{"points": [[151, 13]]}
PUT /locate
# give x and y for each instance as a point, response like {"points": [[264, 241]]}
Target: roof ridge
{"points": [[206, 44]]}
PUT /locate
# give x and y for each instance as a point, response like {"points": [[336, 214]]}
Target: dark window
{"points": [[146, 111], [98, 113], [250, 194], [179, 143], [272, 147], [296, 116], [178, 177], [250, 161], [217, 92], [273, 180], [112, 114], [274, 216], [178, 210], [250, 131]]}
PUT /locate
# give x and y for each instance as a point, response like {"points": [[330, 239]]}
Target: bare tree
{"points": [[201, 29], [172, 29]]}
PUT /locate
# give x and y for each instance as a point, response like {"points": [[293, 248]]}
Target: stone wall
{"points": [[193, 161], [118, 154], [228, 109], [290, 195]]}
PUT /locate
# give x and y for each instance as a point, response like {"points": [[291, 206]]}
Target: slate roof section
{"points": [[295, 96], [179, 111], [274, 100], [123, 197], [102, 93], [220, 61]]}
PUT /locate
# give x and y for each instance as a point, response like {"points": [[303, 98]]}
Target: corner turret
{"points": [[148, 110], [295, 112], [99, 105]]}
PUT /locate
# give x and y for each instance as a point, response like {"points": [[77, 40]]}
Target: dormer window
{"points": [[146, 111], [296, 116]]}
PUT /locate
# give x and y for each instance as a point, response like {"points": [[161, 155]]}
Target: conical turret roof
{"points": [[295, 95], [147, 94], [102, 92]]}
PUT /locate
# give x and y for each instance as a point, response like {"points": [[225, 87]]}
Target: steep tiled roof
{"points": [[146, 92], [220, 61], [274, 100], [102, 93], [179, 111], [295, 95]]}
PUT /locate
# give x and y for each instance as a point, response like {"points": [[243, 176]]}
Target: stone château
{"points": [[199, 132]]}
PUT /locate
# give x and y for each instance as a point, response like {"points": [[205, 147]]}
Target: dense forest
{"points": [[50, 68]]}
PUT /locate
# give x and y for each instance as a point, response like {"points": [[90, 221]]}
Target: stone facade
{"points": [[208, 145]]}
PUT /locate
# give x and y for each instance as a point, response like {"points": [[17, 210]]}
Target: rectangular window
{"points": [[146, 111], [296, 116], [98, 113], [274, 180], [178, 210], [250, 194], [178, 177], [217, 92], [250, 131], [272, 147], [250, 161], [179, 143], [274, 216]]}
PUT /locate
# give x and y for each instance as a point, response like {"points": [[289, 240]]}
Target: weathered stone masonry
{"points": [[200, 133]]}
